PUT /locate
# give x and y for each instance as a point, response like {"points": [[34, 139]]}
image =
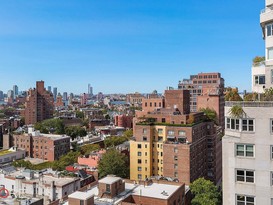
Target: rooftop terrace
{"points": [[249, 103]]}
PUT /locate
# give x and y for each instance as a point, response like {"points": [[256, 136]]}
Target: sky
{"points": [[123, 46]]}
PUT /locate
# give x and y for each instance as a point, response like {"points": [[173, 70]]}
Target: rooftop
{"points": [[81, 195], [109, 180], [249, 103], [4, 152]]}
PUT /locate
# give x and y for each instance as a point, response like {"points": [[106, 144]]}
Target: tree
{"points": [[113, 162], [75, 131], [251, 97], [205, 192], [232, 95], [86, 149], [79, 114], [210, 113], [128, 134], [54, 125], [66, 160], [268, 94]]}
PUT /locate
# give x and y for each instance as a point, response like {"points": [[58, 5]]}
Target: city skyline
{"points": [[139, 46]]}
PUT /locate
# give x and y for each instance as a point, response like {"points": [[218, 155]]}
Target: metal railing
{"points": [[249, 103]]}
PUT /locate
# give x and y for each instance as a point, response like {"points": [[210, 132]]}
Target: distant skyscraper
{"points": [[15, 91], [90, 90], [55, 91], [1, 95], [49, 88], [65, 96], [10, 94]]}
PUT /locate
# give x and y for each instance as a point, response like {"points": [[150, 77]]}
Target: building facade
{"points": [[176, 144], [39, 104], [206, 91], [248, 154], [43, 146], [262, 72]]}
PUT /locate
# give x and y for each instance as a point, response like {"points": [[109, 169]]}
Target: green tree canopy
{"points": [[86, 149], [113, 162], [79, 114], [54, 125], [210, 113], [74, 131], [128, 134], [205, 192], [114, 141]]}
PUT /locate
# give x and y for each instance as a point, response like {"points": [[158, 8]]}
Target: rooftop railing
{"points": [[249, 103]]}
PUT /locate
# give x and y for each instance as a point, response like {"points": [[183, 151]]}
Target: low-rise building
{"points": [[43, 146], [113, 190], [9, 155]]}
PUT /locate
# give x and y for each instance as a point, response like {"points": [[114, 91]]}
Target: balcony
{"points": [[266, 15]]}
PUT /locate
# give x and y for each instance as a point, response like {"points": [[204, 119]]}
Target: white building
{"points": [[26, 183], [262, 73], [248, 155]]}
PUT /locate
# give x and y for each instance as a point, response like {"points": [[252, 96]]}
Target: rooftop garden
{"points": [[4, 152], [258, 61]]}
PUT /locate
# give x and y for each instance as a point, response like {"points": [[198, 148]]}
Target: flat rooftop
{"points": [[158, 191], [81, 195], [109, 180]]}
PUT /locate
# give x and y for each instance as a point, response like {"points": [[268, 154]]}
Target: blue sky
{"points": [[121, 46]]}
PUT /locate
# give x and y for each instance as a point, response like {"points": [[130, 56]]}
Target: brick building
{"points": [[39, 104], [114, 190], [206, 91], [172, 142], [42, 146], [125, 121]]}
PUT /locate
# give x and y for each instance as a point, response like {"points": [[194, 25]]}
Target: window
{"points": [[245, 176], [139, 168], [244, 150], [146, 146], [144, 131], [181, 133], [269, 31], [175, 158], [139, 161], [245, 200], [269, 53], [163, 120], [175, 166], [175, 150], [232, 124], [260, 79], [271, 126], [139, 146], [271, 152], [139, 154], [170, 132], [144, 138], [139, 176], [271, 178], [248, 125]]}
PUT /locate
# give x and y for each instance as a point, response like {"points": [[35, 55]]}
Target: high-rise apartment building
{"points": [[248, 142], [55, 92], [172, 142], [262, 72], [39, 104], [248, 154], [15, 91], [206, 91]]}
